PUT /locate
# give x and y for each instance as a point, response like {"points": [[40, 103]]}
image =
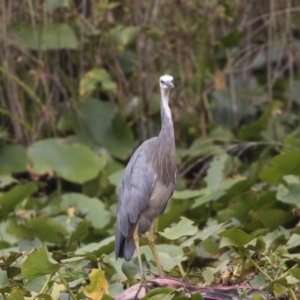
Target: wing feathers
{"points": [[134, 194]]}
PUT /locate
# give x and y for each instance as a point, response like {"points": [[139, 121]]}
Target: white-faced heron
{"points": [[147, 185]]}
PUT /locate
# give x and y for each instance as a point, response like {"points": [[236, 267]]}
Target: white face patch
{"points": [[164, 82], [166, 78]]}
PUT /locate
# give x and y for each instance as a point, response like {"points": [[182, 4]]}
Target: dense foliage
{"points": [[79, 92]]}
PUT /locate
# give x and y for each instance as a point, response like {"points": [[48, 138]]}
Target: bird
{"points": [[147, 184]]}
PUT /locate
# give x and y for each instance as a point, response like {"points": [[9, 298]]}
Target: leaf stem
{"points": [[181, 270], [23, 85], [294, 297], [260, 269], [46, 284], [280, 277], [19, 120], [63, 280]]}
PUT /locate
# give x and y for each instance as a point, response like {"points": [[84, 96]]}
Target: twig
{"points": [[22, 85], [275, 13], [290, 53], [269, 52]]}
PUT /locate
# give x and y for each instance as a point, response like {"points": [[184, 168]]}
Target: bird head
{"points": [[166, 82]]}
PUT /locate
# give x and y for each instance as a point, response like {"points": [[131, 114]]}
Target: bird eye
{"points": [[162, 82]]}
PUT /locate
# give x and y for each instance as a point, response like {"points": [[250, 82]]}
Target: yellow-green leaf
{"points": [[98, 285], [16, 294]]}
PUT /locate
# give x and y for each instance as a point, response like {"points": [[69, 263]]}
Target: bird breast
{"points": [[157, 204], [162, 160], [163, 165]]}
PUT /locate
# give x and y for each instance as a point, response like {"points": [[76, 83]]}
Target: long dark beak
{"points": [[169, 84]]}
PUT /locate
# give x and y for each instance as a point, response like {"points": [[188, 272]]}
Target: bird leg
{"points": [[136, 239], [153, 249]]}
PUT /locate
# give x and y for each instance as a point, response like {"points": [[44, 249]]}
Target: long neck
{"points": [[167, 129], [164, 158]]}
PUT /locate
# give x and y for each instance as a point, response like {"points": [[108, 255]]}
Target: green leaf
{"points": [[220, 191], [204, 234], [38, 264], [116, 177], [239, 207], [6, 180], [75, 163], [47, 230], [80, 232], [160, 293], [170, 255], [210, 246], [257, 296], [10, 199], [44, 296], [258, 245], [92, 78], [208, 275], [166, 251], [169, 263], [12, 159], [58, 36], [124, 35], [105, 246], [197, 296], [36, 284], [215, 173], [183, 228], [99, 122], [234, 237], [115, 289], [95, 118], [295, 272], [11, 258], [174, 210], [281, 165], [3, 277], [119, 139], [16, 294], [253, 131], [293, 241], [217, 183], [107, 297], [202, 147], [92, 209], [187, 194], [127, 62], [44, 36], [289, 193], [18, 230], [270, 218], [279, 290], [258, 281]]}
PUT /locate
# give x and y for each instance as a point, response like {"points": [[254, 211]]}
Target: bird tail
{"points": [[124, 246]]}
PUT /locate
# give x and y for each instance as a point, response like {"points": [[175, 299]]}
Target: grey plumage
{"points": [[148, 181]]}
